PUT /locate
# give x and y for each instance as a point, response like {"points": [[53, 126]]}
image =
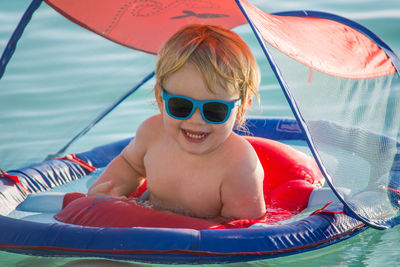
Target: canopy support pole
{"points": [[19, 30], [102, 116]]}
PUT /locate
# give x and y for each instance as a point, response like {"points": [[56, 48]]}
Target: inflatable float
{"points": [[71, 224], [331, 172]]}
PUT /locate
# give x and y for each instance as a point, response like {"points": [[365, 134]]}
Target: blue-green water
{"points": [[58, 63]]}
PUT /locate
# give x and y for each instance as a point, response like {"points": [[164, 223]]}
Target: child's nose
{"points": [[196, 117]]}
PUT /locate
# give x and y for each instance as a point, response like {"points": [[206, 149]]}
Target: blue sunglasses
{"points": [[213, 111]]}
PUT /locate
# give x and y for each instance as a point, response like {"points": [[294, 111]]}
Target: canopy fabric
{"points": [[145, 25], [321, 44]]}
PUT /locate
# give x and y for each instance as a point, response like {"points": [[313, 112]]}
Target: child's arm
{"points": [[126, 172], [120, 178], [242, 192]]}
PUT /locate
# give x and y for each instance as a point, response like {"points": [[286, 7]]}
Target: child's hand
{"points": [[101, 189], [105, 189]]}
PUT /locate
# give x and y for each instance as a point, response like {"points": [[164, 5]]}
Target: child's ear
{"points": [[247, 104], [242, 110], [157, 93], [249, 101]]}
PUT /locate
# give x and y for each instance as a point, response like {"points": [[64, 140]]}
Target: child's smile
{"points": [[194, 136]]}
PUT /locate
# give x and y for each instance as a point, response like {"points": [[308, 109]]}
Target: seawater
{"points": [[57, 62]]}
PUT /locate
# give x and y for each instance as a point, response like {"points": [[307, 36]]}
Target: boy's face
{"points": [[194, 135]]}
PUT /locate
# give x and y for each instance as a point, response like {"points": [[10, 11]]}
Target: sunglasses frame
{"points": [[199, 104]]}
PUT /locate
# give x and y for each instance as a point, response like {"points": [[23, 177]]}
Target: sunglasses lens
{"points": [[215, 111], [180, 107]]}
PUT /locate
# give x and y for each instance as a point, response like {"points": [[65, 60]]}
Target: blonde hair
{"points": [[221, 57]]}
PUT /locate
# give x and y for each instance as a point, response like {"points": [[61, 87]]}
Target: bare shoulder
{"points": [[150, 126], [147, 133], [149, 129], [243, 157]]}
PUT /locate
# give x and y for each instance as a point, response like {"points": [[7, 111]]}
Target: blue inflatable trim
{"points": [[162, 245]]}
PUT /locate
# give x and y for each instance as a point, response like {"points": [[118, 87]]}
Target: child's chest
{"points": [[182, 182]]}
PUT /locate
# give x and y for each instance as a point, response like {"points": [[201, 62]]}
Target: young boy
{"points": [[194, 164]]}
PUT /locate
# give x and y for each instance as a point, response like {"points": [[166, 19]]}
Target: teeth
{"points": [[195, 136]]}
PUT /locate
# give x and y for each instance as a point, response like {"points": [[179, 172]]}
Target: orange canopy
{"points": [[145, 24], [322, 44]]}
